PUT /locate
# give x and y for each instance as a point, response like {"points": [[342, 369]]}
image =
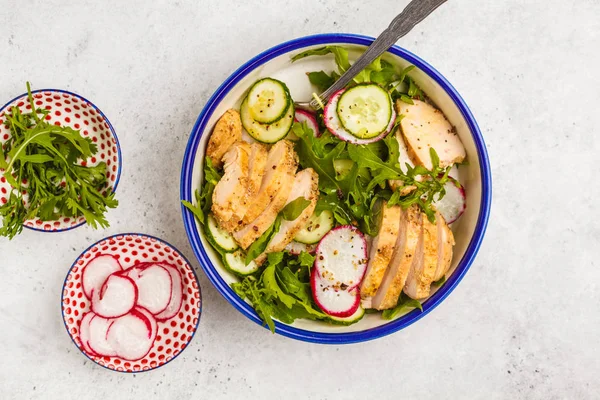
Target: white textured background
{"points": [[523, 324]]}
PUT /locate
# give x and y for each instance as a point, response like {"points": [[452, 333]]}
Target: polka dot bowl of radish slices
{"points": [[131, 302], [72, 110]]}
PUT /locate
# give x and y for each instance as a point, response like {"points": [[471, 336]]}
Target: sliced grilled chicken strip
{"points": [[424, 127], [228, 130], [306, 184], [405, 252], [445, 244], [230, 193], [256, 170], [403, 159], [382, 248], [282, 161], [258, 161], [421, 273], [252, 231]]}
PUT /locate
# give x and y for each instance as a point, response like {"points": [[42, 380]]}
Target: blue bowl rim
{"points": [[112, 131], [306, 335], [132, 234]]}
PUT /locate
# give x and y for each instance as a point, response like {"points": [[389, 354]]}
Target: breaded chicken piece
{"points": [[405, 249], [381, 251], [422, 271], [227, 131], [306, 184], [282, 161], [230, 192], [423, 127], [252, 231], [256, 171]]}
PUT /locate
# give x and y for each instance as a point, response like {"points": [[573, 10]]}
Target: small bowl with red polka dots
{"points": [[72, 110], [147, 332]]}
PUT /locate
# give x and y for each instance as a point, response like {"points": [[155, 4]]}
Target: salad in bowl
{"points": [[339, 221]]}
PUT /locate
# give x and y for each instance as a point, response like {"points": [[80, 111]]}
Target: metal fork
{"points": [[415, 12]]}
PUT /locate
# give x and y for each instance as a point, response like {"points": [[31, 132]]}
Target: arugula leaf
{"points": [[204, 196], [311, 152], [404, 302], [306, 259], [260, 244], [197, 211], [36, 158], [211, 174], [306, 311], [293, 285], [440, 281], [371, 311], [405, 72], [379, 71], [332, 203], [249, 289], [385, 75], [340, 54], [429, 186], [270, 282], [381, 162], [321, 79], [341, 58], [406, 99], [381, 170], [413, 89], [276, 257], [405, 87], [294, 208], [372, 220]]}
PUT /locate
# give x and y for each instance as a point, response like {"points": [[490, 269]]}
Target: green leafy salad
{"points": [[289, 270], [40, 161]]}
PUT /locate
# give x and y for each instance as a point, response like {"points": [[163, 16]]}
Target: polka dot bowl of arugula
{"points": [[60, 163]]}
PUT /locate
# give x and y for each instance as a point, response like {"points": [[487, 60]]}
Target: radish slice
{"points": [[334, 125], [151, 318], [309, 118], [99, 328], [176, 294], [342, 256], [132, 335], [96, 271], [84, 333], [154, 286], [333, 300], [454, 202], [117, 297], [296, 248]]}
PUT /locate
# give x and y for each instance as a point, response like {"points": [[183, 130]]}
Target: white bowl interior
{"points": [[294, 75]]}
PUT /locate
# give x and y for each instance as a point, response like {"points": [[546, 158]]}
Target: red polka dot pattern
{"points": [[173, 334], [65, 110]]}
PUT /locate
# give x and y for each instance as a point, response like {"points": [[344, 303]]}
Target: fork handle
{"points": [[415, 12]]}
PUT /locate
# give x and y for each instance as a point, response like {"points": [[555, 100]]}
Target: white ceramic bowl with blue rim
{"points": [[275, 62]]}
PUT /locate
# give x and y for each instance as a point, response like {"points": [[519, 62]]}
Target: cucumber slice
{"points": [[354, 318], [316, 228], [220, 237], [268, 100], [236, 262], [270, 133], [365, 110]]}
